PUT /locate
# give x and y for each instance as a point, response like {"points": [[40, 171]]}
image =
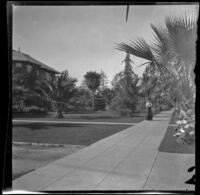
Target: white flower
{"points": [[182, 130], [191, 125], [181, 122], [187, 126], [177, 134], [139, 83], [184, 122], [191, 133]]}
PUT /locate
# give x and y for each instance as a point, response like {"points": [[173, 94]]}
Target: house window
{"points": [[47, 75], [29, 68], [18, 65], [38, 72]]}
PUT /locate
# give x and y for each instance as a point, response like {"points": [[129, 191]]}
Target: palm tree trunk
{"points": [[145, 91], [59, 114], [93, 101], [155, 106]]}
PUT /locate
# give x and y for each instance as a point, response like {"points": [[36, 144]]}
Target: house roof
{"points": [[19, 56]]}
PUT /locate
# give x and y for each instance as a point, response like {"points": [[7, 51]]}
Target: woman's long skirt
{"points": [[149, 114]]}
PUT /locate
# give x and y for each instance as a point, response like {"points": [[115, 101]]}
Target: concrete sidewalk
{"points": [[128, 160]]}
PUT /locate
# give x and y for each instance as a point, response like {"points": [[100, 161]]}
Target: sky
{"points": [[82, 38]]}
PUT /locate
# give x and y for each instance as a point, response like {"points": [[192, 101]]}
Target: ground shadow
{"points": [[160, 120], [94, 117], [39, 126], [163, 116], [31, 115]]}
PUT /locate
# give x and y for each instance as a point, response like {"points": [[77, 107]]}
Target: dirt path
{"points": [[27, 158]]}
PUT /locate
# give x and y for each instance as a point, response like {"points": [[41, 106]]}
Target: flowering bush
{"points": [[19, 107], [185, 131]]}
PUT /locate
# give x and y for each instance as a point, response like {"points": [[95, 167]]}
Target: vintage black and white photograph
{"points": [[103, 97]]}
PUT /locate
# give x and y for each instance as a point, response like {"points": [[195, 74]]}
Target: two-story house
{"points": [[22, 62]]}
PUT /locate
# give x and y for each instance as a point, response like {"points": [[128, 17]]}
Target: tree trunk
{"points": [[59, 114], [155, 106], [93, 101]]}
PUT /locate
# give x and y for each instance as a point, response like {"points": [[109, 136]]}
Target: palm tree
{"points": [[92, 80], [58, 91], [172, 51]]}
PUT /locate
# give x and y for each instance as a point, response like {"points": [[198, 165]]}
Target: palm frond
{"points": [[48, 86], [183, 35], [159, 33], [146, 63], [41, 91], [160, 45], [139, 48]]}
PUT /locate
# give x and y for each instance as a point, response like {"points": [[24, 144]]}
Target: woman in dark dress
{"points": [[149, 110]]}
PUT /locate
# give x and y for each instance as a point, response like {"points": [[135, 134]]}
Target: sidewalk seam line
{"points": [[150, 171], [120, 162]]}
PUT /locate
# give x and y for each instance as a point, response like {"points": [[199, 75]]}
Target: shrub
{"points": [[185, 119], [100, 103], [35, 109], [126, 112], [140, 107], [19, 107]]}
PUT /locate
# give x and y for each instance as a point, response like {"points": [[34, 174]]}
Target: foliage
{"points": [[92, 80], [107, 95], [104, 93], [185, 119], [100, 102], [103, 81], [124, 86], [24, 92], [59, 91], [81, 100]]}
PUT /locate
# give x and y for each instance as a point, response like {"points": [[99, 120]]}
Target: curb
{"points": [[42, 144]]}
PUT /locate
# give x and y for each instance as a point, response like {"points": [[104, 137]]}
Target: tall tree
{"points": [[103, 81], [124, 84], [128, 71], [59, 91], [129, 76], [150, 85], [92, 80]]}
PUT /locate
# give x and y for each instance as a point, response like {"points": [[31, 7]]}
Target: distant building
{"points": [[22, 62]]}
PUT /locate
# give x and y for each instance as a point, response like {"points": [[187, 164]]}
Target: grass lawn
{"points": [[170, 145], [75, 134], [26, 158], [98, 116]]}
